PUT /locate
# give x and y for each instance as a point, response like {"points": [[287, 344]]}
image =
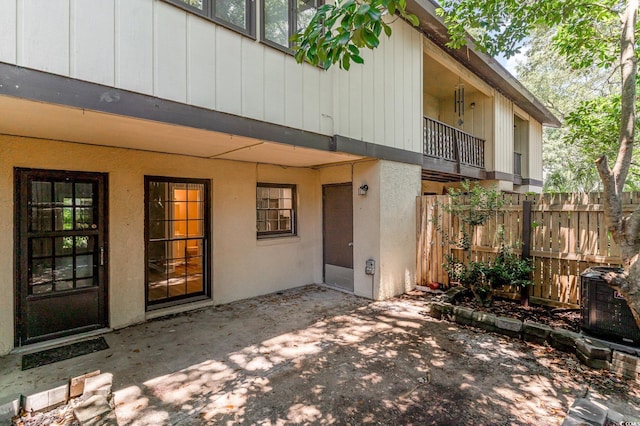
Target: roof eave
{"points": [[481, 64]]}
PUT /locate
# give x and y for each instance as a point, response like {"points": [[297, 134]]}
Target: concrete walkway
{"points": [[314, 355]]}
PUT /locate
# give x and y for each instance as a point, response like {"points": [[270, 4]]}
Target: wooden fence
{"points": [[563, 233]]}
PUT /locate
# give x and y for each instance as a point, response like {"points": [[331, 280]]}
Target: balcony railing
{"points": [[448, 143]]}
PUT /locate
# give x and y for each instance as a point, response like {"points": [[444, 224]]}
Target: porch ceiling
{"points": [[439, 81], [28, 118]]}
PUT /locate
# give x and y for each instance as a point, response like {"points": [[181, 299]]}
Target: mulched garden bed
{"points": [[553, 317], [568, 319]]}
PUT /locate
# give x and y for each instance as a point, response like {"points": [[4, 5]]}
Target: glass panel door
{"points": [[177, 239], [61, 261]]}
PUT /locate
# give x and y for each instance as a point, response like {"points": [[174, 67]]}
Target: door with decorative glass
{"points": [[61, 257]]}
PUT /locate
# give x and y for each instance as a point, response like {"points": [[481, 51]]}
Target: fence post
{"points": [[526, 245]]}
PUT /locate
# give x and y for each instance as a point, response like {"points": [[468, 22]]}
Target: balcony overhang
{"points": [[42, 105], [439, 170], [66, 124], [482, 65]]}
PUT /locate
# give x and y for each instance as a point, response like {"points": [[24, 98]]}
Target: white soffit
{"points": [[275, 153], [22, 117]]}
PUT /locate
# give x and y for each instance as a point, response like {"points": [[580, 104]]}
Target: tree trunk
{"points": [[625, 230]]}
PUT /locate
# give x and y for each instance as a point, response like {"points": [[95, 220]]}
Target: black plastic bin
{"points": [[604, 312]]}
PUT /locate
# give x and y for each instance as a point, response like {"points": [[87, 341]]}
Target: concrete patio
{"points": [[315, 355]]}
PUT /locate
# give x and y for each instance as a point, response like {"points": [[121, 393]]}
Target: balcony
{"points": [[451, 154]]}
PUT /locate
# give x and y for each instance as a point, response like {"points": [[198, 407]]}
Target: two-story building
{"points": [[164, 155]]}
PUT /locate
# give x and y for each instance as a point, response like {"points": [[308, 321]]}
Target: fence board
{"points": [[568, 235]]}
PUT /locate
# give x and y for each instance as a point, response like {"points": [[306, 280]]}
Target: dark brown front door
{"points": [[337, 213], [60, 254]]}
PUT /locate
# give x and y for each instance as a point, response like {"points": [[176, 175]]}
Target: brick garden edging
{"points": [[95, 409], [589, 352]]}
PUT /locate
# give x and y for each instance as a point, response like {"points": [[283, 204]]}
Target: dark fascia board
{"points": [[532, 182], [500, 176], [438, 165], [368, 149], [40, 86], [25, 83], [483, 65]]}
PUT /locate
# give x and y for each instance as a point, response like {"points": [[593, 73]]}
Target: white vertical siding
{"points": [[294, 105], [170, 53], [379, 95], [201, 89], [503, 134], [326, 84], [253, 104], [43, 35], [354, 94], [154, 48], [274, 84], [311, 90], [535, 150], [368, 106], [134, 45], [393, 73], [8, 31], [92, 41], [228, 72]]}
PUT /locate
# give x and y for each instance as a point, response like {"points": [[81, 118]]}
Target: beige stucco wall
{"points": [[366, 229], [384, 223], [242, 265], [400, 185]]}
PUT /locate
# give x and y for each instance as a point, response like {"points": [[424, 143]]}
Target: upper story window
{"points": [[282, 18], [236, 14]]}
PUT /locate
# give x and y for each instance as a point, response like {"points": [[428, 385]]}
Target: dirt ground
{"points": [[317, 356]]}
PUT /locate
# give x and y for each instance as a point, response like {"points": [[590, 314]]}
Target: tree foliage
{"points": [[588, 102], [586, 34], [338, 31]]}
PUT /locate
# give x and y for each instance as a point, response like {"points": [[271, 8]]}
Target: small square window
{"points": [[275, 210]]}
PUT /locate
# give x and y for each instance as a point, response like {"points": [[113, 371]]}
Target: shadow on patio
{"points": [[314, 355]]}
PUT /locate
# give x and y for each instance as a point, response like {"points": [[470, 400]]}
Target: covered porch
{"points": [[457, 120]]}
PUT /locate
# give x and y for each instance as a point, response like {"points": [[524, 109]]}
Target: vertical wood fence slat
{"points": [[567, 236]]}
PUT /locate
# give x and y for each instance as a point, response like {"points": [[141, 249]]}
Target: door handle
{"points": [[101, 256], [350, 244]]}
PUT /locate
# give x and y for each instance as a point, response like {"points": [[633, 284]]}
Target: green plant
{"points": [[473, 206], [509, 269]]}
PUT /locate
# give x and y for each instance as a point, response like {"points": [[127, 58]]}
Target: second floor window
{"points": [[282, 18], [236, 14]]}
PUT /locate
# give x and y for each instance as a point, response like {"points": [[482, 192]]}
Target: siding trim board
{"points": [[25, 83], [500, 176], [532, 182], [368, 149]]}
